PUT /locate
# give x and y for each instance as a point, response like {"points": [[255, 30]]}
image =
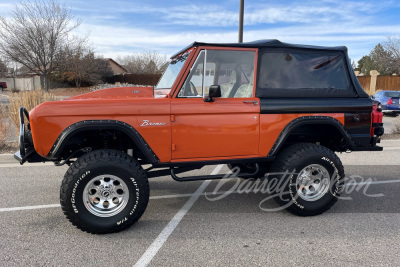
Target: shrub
{"points": [[5, 126]]}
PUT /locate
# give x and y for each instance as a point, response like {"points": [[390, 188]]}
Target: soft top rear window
{"points": [[303, 74], [392, 94]]}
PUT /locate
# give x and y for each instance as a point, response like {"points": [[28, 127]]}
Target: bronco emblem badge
{"points": [[148, 123]]}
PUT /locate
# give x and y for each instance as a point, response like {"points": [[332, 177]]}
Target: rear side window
{"points": [[392, 94], [297, 74]]}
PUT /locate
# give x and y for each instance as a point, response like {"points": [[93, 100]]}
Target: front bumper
{"points": [[27, 152]]}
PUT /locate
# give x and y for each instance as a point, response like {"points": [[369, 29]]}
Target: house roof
{"points": [[116, 63]]}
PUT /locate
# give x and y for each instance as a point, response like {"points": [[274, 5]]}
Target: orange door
{"points": [[224, 128]]}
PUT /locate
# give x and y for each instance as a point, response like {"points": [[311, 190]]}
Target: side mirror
{"points": [[215, 91]]}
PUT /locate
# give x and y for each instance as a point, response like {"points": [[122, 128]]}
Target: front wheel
{"points": [[312, 178], [104, 191]]}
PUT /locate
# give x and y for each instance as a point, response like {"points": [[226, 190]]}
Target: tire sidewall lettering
{"points": [[334, 191], [73, 195], [118, 219]]}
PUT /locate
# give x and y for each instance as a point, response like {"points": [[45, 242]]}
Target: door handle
{"points": [[255, 102]]}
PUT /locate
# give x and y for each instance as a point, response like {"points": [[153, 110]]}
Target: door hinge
{"points": [[173, 147], [172, 118]]}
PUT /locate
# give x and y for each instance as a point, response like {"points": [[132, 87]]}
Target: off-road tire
{"points": [[299, 157], [101, 163]]}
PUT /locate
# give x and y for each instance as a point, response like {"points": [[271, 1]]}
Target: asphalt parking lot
{"points": [[183, 226]]}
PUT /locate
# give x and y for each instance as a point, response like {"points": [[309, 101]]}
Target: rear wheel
{"points": [[104, 191], [1, 88], [313, 180]]}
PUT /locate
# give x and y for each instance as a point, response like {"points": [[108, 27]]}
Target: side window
{"points": [[303, 74], [193, 86], [232, 70]]}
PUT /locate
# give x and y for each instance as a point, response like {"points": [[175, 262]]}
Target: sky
{"points": [[118, 27]]}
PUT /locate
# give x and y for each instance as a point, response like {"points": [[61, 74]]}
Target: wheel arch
{"points": [[313, 121], [101, 125]]}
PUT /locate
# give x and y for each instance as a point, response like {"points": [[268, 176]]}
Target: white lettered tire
{"points": [[104, 191], [313, 180]]}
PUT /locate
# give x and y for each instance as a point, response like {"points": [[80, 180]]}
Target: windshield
{"points": [[170, 74]]}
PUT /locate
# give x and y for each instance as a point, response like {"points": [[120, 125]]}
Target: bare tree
{"points": [[3, 69], [392, 46], [34, 34], [146, 62], [77, 63], [71, 63], [382, 60]]}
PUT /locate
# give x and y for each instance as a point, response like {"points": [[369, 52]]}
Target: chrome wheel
{"points": [[313, 182], [105, 195]]}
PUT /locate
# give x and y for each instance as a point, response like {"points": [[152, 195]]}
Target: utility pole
{"points": [[241, 11]]}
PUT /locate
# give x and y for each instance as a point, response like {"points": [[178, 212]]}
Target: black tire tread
{"points": [[109, 156], [293, 153]]}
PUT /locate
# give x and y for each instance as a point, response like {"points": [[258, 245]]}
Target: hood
{"points": [[117, 92]]}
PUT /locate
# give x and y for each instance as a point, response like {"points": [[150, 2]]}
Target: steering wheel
{"points": [[193, 89]]}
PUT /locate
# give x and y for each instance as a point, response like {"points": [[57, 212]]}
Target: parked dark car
{"points": [[389, 101], [2, 86]]}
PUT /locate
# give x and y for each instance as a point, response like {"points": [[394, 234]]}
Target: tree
{"points": [[34, 35], [382, 60], [353, 65], [392, 46], [146, 62], [78, 63], [365, 64], [3, 69]]}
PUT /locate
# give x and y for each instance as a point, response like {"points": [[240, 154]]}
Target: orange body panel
{"points": [[226, 127], [52, 118], [120, 92], [271, 125]]}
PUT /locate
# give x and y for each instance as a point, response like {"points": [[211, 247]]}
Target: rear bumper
{"points": [[390, 108], [367, 148], [397, 111]]}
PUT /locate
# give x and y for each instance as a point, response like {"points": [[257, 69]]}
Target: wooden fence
{"points": [[365, 82], [388, 82], [382, 82], [136, 79]]}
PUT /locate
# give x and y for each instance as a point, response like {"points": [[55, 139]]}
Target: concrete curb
{"points": [[7, 158]]}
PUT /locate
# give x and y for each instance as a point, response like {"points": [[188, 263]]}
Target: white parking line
{"points": [[392, 148], [31, 207], [179, 196], [374, 182], [167, 231]]}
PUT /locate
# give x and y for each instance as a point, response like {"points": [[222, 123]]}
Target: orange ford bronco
{"points": [[260, 107]]}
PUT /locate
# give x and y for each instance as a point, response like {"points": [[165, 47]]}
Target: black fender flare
{"points": [[82, 126], [312, 120]]}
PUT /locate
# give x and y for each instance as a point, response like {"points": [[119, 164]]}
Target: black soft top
{"points": [[354, 90], [264, 44]]}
